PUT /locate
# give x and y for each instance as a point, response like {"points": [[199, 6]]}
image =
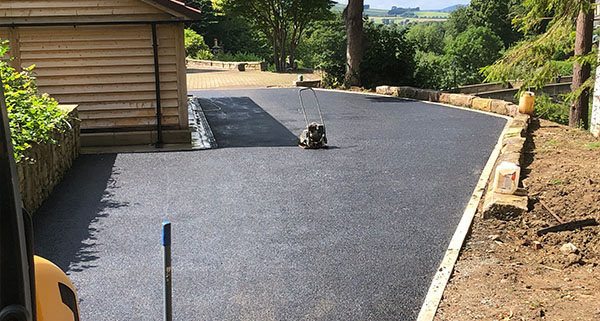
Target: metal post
{"points": [[168, 295], [159, 141]]}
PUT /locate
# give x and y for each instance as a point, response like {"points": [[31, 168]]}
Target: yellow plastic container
{"points": [[526, 103]]}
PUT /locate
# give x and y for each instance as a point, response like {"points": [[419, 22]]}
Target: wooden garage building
{"points": [[100, 55]]}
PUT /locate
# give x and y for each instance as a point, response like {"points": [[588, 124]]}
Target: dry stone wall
{"points": [[226, 65], [46, 164]]}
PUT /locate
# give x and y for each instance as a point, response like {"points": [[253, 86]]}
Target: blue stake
{"points": [[168, 297]]}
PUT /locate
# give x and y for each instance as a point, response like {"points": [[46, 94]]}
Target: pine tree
{"points": [[548, 26]]}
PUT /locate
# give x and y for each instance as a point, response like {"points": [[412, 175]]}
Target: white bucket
{"points": [[507, 178]]}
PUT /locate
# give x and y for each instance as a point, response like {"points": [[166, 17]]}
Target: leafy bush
{"points": [[195, 47], [325, 49], [427, 37], [432, 71], [557, 112], [388, 59], [473, 49], [564, 68], [239, 56], [33, 117]]}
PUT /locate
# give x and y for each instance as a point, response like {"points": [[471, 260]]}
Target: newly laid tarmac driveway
{"points": [[263, 230]]}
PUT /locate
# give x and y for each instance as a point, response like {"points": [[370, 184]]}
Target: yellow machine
{"points": [[56, 296], [31, 288]]}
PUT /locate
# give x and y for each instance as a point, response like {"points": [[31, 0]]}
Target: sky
{"points": [[424, 4]]}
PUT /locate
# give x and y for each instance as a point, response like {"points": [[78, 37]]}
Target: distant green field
{"points": [[369, 12], [432, 14], [379, 14], [403, 20]]}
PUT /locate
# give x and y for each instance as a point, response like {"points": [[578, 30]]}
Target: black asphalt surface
{"points": [[263, 230]]}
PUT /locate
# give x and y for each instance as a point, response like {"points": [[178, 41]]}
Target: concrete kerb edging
{"points": [[440, 280], [510, 147]]}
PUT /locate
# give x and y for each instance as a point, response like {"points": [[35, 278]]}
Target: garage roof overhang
{"points": [[174, 11]]}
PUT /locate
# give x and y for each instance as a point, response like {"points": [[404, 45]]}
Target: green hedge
{"points": [[195, 47], [557, 112], [33, 117]]}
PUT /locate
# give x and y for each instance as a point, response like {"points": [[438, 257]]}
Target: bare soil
{"points": [[506, 271]]}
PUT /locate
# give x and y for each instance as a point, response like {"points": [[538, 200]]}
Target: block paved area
{"points": [[229, 79], [263, 230]]}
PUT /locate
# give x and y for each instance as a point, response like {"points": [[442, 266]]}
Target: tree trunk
{"points": [[583, 45], [292, 58], [353, 17], [283, 53], [276, 55], [294, 41], [595, 126]]}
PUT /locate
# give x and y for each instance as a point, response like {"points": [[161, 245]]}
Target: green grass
{"points": [[593, 145], [379, 14], [431, 14], [398, 20], [369, 12]]}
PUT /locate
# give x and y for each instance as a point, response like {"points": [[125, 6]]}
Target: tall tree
{"points": [[459, 21], [353, 17], [427, 37], [549, 25], [581, 71], [495, 15], [473, 49], [282, 22]]}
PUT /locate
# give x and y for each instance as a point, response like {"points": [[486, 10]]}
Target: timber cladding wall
{"points": [[108, 71], [99, 55]]}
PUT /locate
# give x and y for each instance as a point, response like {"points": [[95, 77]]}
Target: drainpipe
{"points": [[159, 140]]}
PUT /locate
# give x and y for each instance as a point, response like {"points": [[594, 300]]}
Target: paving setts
{"points": [[263, 230], [202, 136]]}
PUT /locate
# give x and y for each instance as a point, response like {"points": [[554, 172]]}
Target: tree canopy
{"points": [[549, 27], [282, 22]]}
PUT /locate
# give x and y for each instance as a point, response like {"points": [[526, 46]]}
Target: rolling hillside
{"points": [[378, 15], [451, 8]]}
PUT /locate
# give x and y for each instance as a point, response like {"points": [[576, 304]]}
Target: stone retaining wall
{"points": [[37, 178], [227, 65], [497, 205]]}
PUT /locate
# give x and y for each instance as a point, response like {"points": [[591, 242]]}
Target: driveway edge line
{"points": [[417, 100], [440, 280]]}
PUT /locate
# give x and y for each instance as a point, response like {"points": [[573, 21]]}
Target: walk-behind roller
{"points": [[314, 136]]}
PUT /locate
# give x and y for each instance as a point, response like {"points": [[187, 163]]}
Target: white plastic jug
{"points": [[507, 178]]}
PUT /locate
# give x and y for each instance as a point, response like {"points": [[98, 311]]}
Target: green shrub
{"points": [[433, 71], [33, 117], [237, 57], [388, 59], [564, 68], [195, 47], [473, 49], [325, 49], [557, 112]]}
